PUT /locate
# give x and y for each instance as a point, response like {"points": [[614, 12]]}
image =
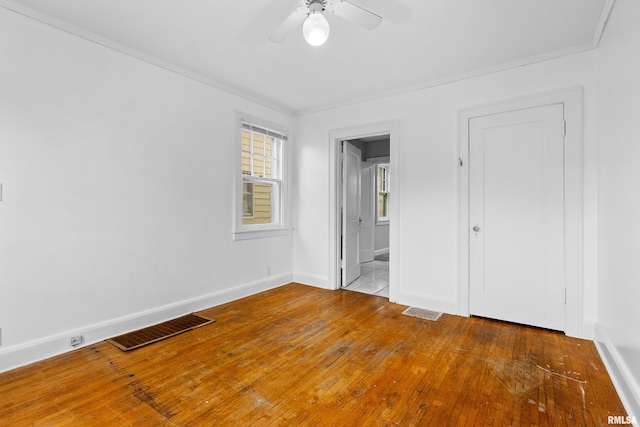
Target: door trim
{"points": [[573, 183], [335, 183]]}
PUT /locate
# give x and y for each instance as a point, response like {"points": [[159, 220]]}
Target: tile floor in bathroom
{"points": [[373, 280]]}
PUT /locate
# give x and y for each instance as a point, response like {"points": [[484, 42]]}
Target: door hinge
{"points": [[565, 295], [564, 128]]}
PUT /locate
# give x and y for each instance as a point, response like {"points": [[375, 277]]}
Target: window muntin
{"points": [[382, 206], [261, 176]]}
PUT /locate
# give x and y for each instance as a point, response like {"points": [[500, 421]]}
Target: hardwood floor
{"points": [[298, 355]]}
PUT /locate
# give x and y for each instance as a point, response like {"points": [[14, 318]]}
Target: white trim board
{"points": [[626, 385], [379, 252], [54, 345], [573, 186], [602, 23], [311, 280], [391, 128]]}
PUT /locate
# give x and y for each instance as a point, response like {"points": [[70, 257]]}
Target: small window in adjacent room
{"points": [[261, 173], [383, 193]]}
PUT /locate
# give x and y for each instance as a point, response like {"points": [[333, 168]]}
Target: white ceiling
{"points": [[419, 43]]}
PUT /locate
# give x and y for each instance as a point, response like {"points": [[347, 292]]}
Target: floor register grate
{"points": [[161, 331], [422, 313]]}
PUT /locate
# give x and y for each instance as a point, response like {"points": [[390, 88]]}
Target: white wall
{"points": [[619, 185], [117, 193], [382, 238], [426, 176], [114, 210]]}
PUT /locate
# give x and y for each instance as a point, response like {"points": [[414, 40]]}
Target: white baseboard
{"points": [[34, 351], [588, 329], [428, 303], [311, 280], [625, 383], [379, 252]]}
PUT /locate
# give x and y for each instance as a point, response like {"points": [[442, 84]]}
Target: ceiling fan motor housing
{"points": [[316, 5]]}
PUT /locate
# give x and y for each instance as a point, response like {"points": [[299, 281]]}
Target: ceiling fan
{"points": [[315, 28]]}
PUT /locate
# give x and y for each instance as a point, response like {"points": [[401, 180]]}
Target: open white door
{"points": [[351, 184], [367, 230], [516, 217]]}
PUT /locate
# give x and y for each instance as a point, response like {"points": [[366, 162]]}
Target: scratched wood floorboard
{"points": [[298, 355]]}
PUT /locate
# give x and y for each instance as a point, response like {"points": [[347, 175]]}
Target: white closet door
{"points": [[517, 217]]}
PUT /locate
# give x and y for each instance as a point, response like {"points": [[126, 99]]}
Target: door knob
{"points": [[476, 228]]}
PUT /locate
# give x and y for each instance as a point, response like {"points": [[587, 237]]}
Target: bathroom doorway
{"points": [[365, 219]]}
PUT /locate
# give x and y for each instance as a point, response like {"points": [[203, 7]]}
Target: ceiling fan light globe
{"points": [[315, 29]]}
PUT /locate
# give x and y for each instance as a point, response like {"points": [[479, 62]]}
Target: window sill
{"points": [[260, 233]]}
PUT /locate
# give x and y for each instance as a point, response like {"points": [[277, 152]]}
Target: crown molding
{"points": [[136, 54], [452, 79], [602, 24]]}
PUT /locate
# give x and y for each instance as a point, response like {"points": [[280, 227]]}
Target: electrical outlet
{"points": [[75, 341], [269, 271]]}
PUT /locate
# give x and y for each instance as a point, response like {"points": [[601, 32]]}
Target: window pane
{"points": [[258, 143], [263, 203], [383, 205], [268, 146], [246, 164], [270, 168], [246, 141], [258, 166], [382, 178], [247, 200]]}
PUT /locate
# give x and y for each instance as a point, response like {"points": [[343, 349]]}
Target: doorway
{"points": [[366, 178], [556, 207], [368, 133]]}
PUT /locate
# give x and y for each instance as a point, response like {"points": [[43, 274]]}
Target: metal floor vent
{"points": [[422, 313], [155, 333]]}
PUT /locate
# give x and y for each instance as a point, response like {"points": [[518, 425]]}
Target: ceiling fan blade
{"points": [[291, 23], [356, 14]]}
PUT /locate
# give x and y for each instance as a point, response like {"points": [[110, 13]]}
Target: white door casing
{"points": [[351, 188], [571, 100], [367, 226], [516, 216]]}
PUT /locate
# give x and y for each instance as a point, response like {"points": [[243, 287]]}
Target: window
{"points": [[261, 173], [383, 193]]}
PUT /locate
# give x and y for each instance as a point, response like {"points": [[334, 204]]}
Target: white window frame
{"points": [[379, 219], [278, 226]]}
